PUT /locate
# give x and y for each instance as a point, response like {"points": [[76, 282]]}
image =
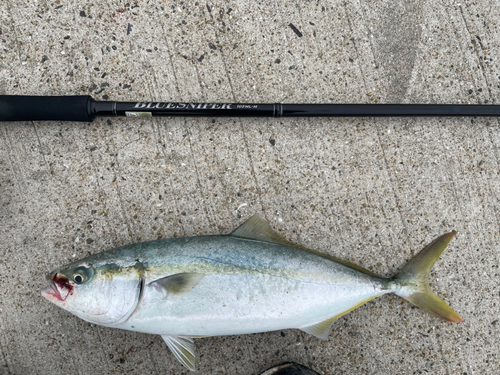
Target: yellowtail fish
{"points": [[252, 280]]}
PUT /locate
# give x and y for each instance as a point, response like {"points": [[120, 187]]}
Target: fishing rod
{"points": [[84, 108]]}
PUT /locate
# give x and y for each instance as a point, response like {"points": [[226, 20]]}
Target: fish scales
{"points": [[249, 286], [233, 255]]}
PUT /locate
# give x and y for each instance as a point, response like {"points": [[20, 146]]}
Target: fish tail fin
{"points": [[413, 280]]}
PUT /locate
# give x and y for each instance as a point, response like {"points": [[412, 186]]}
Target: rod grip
{"points": [[45, 108]]}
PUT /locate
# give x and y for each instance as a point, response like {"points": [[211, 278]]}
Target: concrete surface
{"points": [[373, 191]]}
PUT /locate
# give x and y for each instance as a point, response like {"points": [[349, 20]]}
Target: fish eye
{"points": [[80, 275]]}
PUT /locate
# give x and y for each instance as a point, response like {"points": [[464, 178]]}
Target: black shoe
{"points": [[290, 368]]}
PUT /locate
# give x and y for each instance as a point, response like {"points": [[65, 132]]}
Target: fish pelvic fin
{"points": [[183, 349], [413, 280]]}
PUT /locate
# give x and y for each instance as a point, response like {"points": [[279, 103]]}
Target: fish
{"points": [[251, 280]]}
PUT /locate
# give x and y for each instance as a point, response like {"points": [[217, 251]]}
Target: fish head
{"points": [[99, 292]]}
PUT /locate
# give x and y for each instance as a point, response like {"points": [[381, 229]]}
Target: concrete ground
{"points": [[373, 191]]}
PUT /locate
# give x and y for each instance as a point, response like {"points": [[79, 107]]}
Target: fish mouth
{"points": [[59, 288]]}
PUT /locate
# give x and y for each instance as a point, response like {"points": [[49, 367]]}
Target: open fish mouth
{"points": [[59, 288]]}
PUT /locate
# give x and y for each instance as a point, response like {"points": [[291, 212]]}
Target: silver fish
{"points": [[252, 280]]}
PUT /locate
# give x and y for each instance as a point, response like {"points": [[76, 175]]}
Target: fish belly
{"points": [[241, 304]]}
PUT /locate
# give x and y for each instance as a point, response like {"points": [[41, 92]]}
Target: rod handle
{"points": [[45, 108]]}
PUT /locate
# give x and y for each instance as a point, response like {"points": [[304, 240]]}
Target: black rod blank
{"points": [[84, 108]]}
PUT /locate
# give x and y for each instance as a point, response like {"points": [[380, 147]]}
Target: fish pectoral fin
{"points": [[176, 286], [322, 329], [183, 349]]}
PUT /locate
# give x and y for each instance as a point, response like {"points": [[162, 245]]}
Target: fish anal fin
{"points": [[322, 329], [258, 229], [183, 349], [176, 286]]}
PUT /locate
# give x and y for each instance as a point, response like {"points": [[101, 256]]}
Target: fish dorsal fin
{"points": [[176, 286], [322, 329], [257, 228], [183, 349], [338, 260]]}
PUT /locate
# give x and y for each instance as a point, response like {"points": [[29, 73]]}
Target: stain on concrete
{"points": [[397, 33]]}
